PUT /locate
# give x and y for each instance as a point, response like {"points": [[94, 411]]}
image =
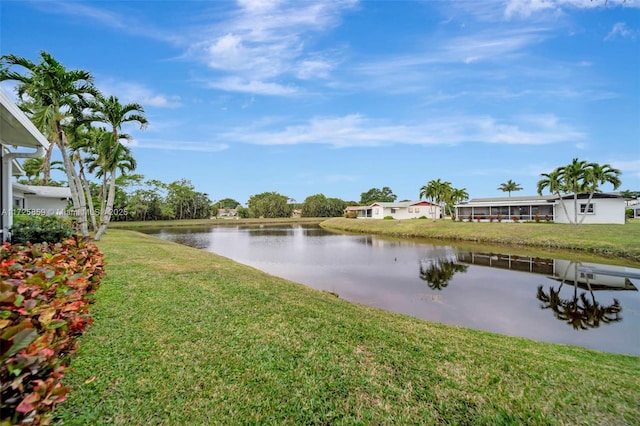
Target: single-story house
{"points": [[227, 212], [41, 200], [16, 132], [604, 208], [400, 210]]}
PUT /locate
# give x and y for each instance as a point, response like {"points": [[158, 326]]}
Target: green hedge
{"points": [[40, 229]]}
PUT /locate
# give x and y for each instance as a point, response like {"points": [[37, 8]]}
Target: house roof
{"points": [[403, 204], [534, 199], [15, 127], [44, 191]]}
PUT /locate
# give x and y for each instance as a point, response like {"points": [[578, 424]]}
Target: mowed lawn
{"points": [[185, 337]]}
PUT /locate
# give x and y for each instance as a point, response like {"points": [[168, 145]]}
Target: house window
{"points": [[375, 211], [417, 210], [393, 210], [410, 209], [590, 210]]}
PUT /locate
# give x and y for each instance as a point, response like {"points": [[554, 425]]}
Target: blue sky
{"points": [[340, 96]]}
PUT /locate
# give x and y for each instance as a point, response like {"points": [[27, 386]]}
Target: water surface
{"points": [[579, 303]]}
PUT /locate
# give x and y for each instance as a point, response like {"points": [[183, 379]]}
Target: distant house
{"points": [[604, 208], [400, 210], [41, 200], [227, 212], [296, 213], [16, 132]]}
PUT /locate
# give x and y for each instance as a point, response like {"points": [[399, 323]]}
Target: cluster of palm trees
{"points": [[65, 106], [579, 177], [443, 194]]}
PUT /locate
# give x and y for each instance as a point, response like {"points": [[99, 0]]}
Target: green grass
{"points": [[183, 336], [611, 240]]}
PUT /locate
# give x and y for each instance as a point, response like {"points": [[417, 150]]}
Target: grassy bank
{"points": [[610, 240], [183, 336]]}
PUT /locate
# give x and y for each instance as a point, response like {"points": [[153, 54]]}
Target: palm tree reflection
{"points": [[438, 272], [578, 311]]}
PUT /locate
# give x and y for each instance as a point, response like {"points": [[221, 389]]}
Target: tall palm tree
{"points": [[509, 187], [436, 191], [55, 92], [596, 175], [553, 182], [573, 178], [113, 154]]}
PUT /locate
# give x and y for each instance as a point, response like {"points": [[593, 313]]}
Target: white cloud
{"points": [[178, 145], [356, 130], [528, 8], [238, 84], [267, 40], [621, 30], [130, 92], [627, 167]]}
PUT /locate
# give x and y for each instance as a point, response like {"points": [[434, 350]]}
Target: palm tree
{"points": [[436, 191], [573, 178], [510, 186], [55, 93], [457, 195], [113, 155], [595, 175], [554, 184]]}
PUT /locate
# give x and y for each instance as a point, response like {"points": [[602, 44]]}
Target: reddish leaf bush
{"points": [[45, 292]]}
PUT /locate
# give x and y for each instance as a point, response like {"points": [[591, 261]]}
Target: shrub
{"points": [[40, 229], [547, 218], [45, 292], [351, 215], [422, 217], [470, 218], [499, 218], [491, 218], [388, 218], [628, 213], [478, 218], [537, 218], [515, 218]]}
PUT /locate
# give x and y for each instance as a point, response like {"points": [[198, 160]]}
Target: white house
{"points": [[41, 200], [400, 210], [604, 208], [16, 133]]}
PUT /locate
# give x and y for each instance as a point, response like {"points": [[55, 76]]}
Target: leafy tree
{"points": [[320, 206], [384, 195], [187, 203], [269, 205], [553, 183], [53, 93], [228, 203], [509, 187]]}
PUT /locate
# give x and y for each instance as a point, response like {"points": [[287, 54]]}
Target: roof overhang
{"points": [[15, 127]]}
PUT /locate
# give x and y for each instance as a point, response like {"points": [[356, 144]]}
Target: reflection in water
{"points": [[578, 311], [438, 272]]}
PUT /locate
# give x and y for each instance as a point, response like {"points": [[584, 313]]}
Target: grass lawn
{"points": [[610, 240], [183, 336]]}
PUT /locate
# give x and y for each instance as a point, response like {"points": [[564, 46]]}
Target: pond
{"points": [[543, 298]]}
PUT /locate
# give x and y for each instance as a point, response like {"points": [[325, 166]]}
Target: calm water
{"points": [[585, 304]]}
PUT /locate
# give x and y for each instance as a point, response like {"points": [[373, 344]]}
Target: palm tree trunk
{"points": [[586, 208], [564, 207], [106, 214], [87, 191], [77, 194], [46, 165], [575, 208]]}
